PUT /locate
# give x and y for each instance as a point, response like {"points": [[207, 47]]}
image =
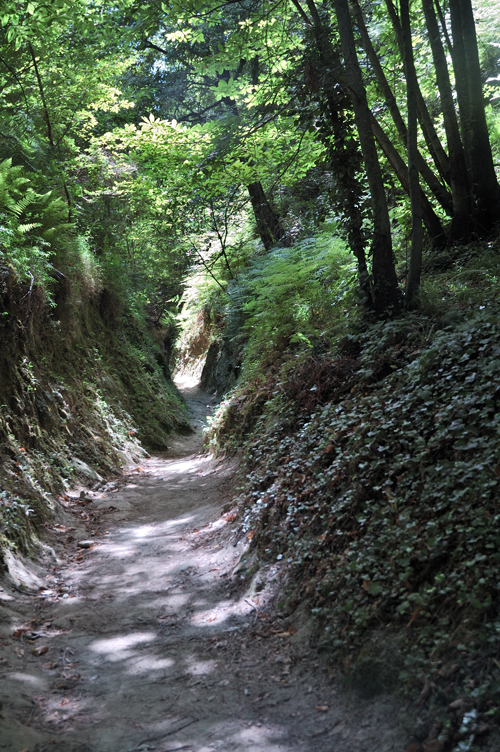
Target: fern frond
{"points": [[19, 207], [23, 229]]}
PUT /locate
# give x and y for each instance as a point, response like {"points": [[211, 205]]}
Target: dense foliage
{"points": [[201, 124], [308, 191]]}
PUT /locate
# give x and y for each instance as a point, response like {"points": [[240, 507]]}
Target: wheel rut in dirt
{"points": [[149, 640]]}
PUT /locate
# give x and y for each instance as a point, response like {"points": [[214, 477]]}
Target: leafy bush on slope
{"points": [[384, 504]]}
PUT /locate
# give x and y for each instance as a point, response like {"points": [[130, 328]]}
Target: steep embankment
{"points": [[82, 389], [372, 475], [149, 639]]}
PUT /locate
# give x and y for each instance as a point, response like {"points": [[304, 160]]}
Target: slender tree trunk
{"points": [[268, 224], [460, 191], [432, 139], [385, 286], [469, 85], [461, 80], [351, 198], [345, 163], [48, 123], [430, 218], [415, 266], [439, 191]]}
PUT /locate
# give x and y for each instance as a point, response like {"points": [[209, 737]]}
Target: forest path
{"points": [[147, 641]]}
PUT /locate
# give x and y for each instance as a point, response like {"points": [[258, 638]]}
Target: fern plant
{"points": [[12, 184], [30, 226], [296, 295]]}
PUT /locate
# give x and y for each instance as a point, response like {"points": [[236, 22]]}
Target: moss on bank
{"points": [[82, 392]]}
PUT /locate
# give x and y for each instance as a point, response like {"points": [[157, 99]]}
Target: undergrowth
{"points": [[288, 297], [372, 473]]}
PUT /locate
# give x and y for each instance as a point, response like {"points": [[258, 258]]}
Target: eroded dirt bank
{"points": [[149, 641]]}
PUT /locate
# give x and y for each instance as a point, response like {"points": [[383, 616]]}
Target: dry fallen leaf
{"points": [[65, 701], [414, 616], [23, 629], [321, 708], [41, 650]]}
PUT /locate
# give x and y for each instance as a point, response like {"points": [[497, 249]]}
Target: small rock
{"points": [[81, 467], [85, 544]]}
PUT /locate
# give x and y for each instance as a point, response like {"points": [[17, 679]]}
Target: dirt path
{"points": [[147, 640]]}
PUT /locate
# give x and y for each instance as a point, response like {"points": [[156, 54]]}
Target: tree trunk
{"points": [[432, 139], [485, 186], [462, 206], [439, 191], [415, 266], [50, 133], [345, 163], [461, 81], [385, 286], [268, 224], [345, 171], [430, 218]]}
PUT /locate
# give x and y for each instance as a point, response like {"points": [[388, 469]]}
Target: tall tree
{"points": [[415, 265], [467, 69], [429, 131], [437, 188], [460, 189], [386, 293]]}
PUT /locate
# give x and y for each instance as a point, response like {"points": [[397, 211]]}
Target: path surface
{"points": [[149, 641]]}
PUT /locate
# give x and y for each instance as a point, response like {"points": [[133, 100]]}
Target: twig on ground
{"points": [[162, 734]]}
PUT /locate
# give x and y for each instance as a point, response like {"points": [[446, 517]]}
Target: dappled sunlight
{"points": [[120, 647], [30, 680], [223, 611], [256, 738], [186, 381], [181, 467], [148, 664], [200, 668]]}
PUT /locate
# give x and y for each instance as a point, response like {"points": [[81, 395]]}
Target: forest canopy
{"points": [[175, 136]]}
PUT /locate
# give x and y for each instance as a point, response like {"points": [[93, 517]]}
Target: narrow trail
{"points": [[149, 641]]}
